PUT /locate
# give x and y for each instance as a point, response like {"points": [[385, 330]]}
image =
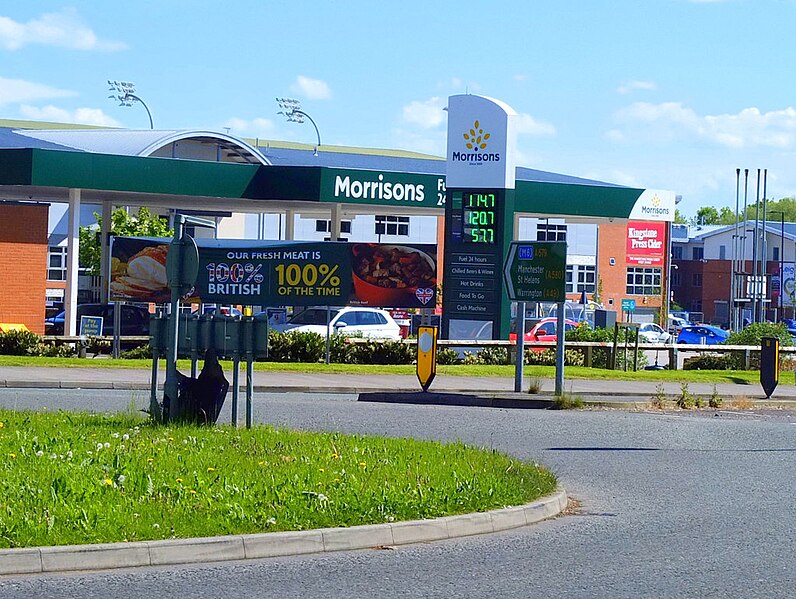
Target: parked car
{"points": [[545, 330], [702, 334], [652, 333], [676, 323], [135, 320], [368, 322], [225, 310]]}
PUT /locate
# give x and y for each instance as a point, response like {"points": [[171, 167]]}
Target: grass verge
{"points": [[743, 377], [70, 478]]}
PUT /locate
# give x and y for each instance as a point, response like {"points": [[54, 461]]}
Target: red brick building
{"points": [[23, 264]]}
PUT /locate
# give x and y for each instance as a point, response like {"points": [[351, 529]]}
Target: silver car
{"points": [[367, 322]]}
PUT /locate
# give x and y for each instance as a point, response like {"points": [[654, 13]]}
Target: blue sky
{"points": [[669, 94]]}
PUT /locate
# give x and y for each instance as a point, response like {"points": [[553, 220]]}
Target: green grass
{"points": [[477, 370], [82, 478]]}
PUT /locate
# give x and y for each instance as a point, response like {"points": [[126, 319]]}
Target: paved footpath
{"points": [[590, 390]]}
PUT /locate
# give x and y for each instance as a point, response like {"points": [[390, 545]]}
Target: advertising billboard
{"points": [[281, 273], [646, 243]]}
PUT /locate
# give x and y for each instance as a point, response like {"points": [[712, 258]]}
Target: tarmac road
{"points": [[681, 505]]}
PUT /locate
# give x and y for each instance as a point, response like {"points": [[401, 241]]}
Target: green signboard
{"points": [[535, 271], [628, 305]]}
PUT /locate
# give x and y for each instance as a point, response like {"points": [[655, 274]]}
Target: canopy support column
{"points": [[290, 225], [335, 228], [105, 257], [72, 263]]}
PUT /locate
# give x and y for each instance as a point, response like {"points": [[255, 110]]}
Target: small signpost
{"points": [[769, 364], [628, 307], [536, 271], [426, 355]]}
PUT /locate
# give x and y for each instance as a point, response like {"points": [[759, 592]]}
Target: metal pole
{"points": [[560, 349], [781, 263], [235, 388], [520, 361], [743, 239], [764, 291], [734, 267], [249, 390], [171, 386], [755, 246]]}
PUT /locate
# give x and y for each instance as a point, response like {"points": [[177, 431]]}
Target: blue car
{"points": [[702, 334]]}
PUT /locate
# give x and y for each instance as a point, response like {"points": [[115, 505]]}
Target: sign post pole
{"points": [[520, 360], [559, 349]]}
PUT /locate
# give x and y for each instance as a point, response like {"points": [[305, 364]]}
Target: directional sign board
{"points": [[535, 271], [628, 305]]}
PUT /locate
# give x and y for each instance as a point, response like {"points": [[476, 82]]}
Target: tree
{"points": [[679, 218], [143, 224], [707, 215]]}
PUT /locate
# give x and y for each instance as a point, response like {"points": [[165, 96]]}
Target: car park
{"points": [[650, 332], [676, 323], [367, 322], [702, 334], [545, 330], [134, 320]]}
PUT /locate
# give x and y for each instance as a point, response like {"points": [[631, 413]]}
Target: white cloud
{"points": [[427, 113], [64, 29], [13, 91], [672, 121], [312, 89], [82, 116], [520, 77], [527, 125], [430, 142], [630, 86], [254, 128]]}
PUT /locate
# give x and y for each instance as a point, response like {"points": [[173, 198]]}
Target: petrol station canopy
{"points": [[215, 171]]}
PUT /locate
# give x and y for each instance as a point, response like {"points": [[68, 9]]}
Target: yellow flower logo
{"points": [[656, 201], [476, 138]]}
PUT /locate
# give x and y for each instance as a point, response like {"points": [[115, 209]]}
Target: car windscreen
{"points": [[313, 316]]}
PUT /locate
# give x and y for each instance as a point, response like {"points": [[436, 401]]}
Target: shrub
{"points": [[567, 401], [383, 352], [19, 343], [572, 357], [754, 333], [495, 356], [447, 356], [295, 346], [137, 353], [53, 350], [710, 362]]}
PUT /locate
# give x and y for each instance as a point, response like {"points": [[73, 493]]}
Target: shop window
{"points": [[548, 232], [325, 226], [581, 277], [697, 253], [392, 225], [643, 281], [56, 264]]}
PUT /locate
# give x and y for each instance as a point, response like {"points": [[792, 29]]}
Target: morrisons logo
{"points": [[476, 140], [378, 190]]}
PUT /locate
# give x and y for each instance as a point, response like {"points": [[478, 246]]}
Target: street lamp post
{"points": [[125, 94], [292, 110]]}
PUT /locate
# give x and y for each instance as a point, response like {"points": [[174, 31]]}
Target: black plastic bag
{"points": [[202, 398]]}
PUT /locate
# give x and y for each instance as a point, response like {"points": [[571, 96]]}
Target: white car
{"points": [[652, 333], [367, 322]]}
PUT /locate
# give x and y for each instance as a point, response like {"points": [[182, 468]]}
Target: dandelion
{"points": [[115, 435], [53, 456], [108, 482], [156, 525], [1, 425], [211, 469], [12, 455], [107, 445], [192, 492], [362, 464], [99, 446], [321, 470], [179, 480], [271, 520], [335, 456], [322, 497], [121, 446], [121, 478], [125, 437], [149, 460], [69, 454], [39, 453]]}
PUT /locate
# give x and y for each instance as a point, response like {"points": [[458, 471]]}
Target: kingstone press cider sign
{"points": [[646, 243]]}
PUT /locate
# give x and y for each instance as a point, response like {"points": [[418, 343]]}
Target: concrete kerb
{"points": [[69, 558]]}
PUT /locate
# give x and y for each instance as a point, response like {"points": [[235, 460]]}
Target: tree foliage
{"points": [[143, 224], [709, 215]]}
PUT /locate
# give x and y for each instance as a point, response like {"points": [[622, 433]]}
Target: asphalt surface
{"points": [[672, 504]]}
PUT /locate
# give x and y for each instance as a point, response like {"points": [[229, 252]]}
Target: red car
{"points": [[545, 330]]}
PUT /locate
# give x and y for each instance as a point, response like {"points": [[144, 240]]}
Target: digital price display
{"points": [[479, 218]]}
